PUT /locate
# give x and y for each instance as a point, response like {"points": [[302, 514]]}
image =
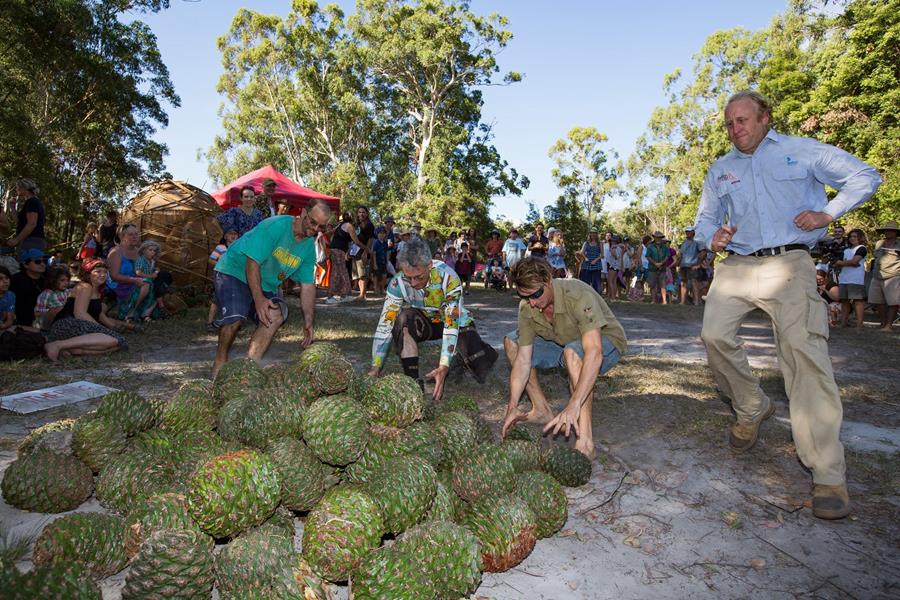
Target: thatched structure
{"points": [[183, 219]]}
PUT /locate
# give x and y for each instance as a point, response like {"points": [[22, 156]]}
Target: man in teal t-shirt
{"points": [[247, 277]]}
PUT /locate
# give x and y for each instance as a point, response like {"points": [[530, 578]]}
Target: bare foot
{"points": [[586, 447], [52, 350], [216, 366], [539, 416], [887, 329]]}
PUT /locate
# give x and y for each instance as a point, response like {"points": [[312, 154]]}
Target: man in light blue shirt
{"points": [[513, 250], [764, 202]]}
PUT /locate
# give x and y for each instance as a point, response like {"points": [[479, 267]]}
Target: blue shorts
{"points": [[235, 301], [547, 354]]}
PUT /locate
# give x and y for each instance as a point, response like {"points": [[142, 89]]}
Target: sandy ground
{"points": [[670, 512]]}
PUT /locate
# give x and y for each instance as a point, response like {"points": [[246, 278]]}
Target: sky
{"points": [[586, 63]]}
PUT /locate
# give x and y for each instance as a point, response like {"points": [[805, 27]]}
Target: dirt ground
{"points": [[670, 512]]}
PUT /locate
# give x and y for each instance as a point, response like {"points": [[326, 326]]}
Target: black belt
{"points": [[776, 250]]}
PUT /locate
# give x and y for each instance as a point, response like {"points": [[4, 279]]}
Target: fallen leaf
{"points": [[758, 563], [732, 519], [807, 503], [633, 541], [573, 585], [780, 518], [773, 524], [648, 548], [567, 533]]}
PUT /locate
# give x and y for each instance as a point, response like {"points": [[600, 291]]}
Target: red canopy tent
{"points": [[286, 190]]}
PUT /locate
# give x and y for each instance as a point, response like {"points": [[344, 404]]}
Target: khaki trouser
{"points": [[783, 286]]}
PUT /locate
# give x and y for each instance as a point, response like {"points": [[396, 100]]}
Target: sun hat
{"points": [[658, 234], [389, 220], [689, 228], [892, 225]]}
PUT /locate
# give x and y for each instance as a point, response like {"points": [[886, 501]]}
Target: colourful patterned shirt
{"points": [[441, 300]]}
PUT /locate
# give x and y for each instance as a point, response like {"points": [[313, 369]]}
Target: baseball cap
{"points": [[689, 228], [30, 254], [389, 220]]}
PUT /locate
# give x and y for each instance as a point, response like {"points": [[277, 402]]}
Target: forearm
{"points": [[590, 367], [254, 281], [308, 303], [518, 378], [8, 320]]}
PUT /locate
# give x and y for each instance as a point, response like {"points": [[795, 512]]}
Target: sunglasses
{"points": [[420, 277], [534, 295], [37, 261]]}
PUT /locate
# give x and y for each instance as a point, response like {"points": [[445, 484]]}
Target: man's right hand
{"points": [[513, 416], [374, 372], [722, 237], [263, 305]]}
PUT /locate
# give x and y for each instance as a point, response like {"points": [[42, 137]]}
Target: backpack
{"points": [[20, 344]]}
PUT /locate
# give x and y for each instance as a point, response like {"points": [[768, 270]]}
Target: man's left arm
{"points": [[306, 277], [855, 181], [592, 342], [450, 338]]}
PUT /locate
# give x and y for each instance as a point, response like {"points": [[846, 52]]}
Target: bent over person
{"points": [[764, 202], [247, 277], [424, 302], [562, 323]]}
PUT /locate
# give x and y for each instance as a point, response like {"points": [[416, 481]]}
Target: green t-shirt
{"points": [[272, 245], [577, 309]]}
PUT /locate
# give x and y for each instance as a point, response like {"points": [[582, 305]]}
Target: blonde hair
{"points": [[762, 103], [149, 244], [532, 272]]}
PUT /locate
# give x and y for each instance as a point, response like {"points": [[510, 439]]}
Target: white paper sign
{"points": [[60, 395]]}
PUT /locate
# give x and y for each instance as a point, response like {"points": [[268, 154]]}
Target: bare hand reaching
{"points": [[722, 237]]}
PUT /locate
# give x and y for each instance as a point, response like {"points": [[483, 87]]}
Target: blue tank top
{"points": [[126, 269]]}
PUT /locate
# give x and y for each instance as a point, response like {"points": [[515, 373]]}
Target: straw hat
{"points": [[892, 225], [658, 234]]}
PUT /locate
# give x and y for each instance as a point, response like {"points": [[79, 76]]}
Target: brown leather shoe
{"points": [[743, 434], [831, 501]]}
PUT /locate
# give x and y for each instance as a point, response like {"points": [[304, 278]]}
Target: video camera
{"points": [[828, 250]]}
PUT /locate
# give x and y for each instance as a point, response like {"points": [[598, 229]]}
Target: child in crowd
{"points": [[56, 260], [52, 299], [89, 245], [496, 276], [450, 257], [465, 265], [228, 239], [7, 301], [380, 248], [145, 268]]}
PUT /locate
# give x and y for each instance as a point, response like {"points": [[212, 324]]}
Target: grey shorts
{"points": [[547, 354], [656, 278], [687, 274], [852, 291]]}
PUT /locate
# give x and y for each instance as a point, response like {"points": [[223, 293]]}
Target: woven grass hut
{"points": [[182, 218]]}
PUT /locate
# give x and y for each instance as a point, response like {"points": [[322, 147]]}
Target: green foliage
{"points": [[82, 94], [832, 76]]}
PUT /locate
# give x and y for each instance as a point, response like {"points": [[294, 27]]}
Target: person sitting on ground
{"points": [[82, 327], [424, 302], [227, 240], [247, 278], [28, 284], [143, 296], [120, 263], [242, 218], [561, 323], [339, 283], [829, 291], [496, 276], [7, 301], [465, 265], [852, 278], [556, 253], [52, 299], [884, 291]]}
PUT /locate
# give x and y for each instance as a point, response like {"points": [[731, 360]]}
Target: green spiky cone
{"points": [[260, 564], [460, 402], [359, 384], [304, 479], [504, 525], [389, 573], [55, 436], [194, 449], [316, 353], [96, 441], [484, 433], [291, 378], [404, 490], [486, 472], [234, 491], [45, 481], [192, 408], [385, 443], [269, 414], [331, 376], [280, 523], [93, 541], [525, 455], [423, 441], [336, 429], [129, 411], [132, 477], [448, 553], [520, 432], [172, 563], [443, 507], [569, 466], [340, 531], [235, 377], [57, 582], [230, 421], [394, 400], [162, 511], [456, 432], [546, 499], [457, 504]]}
